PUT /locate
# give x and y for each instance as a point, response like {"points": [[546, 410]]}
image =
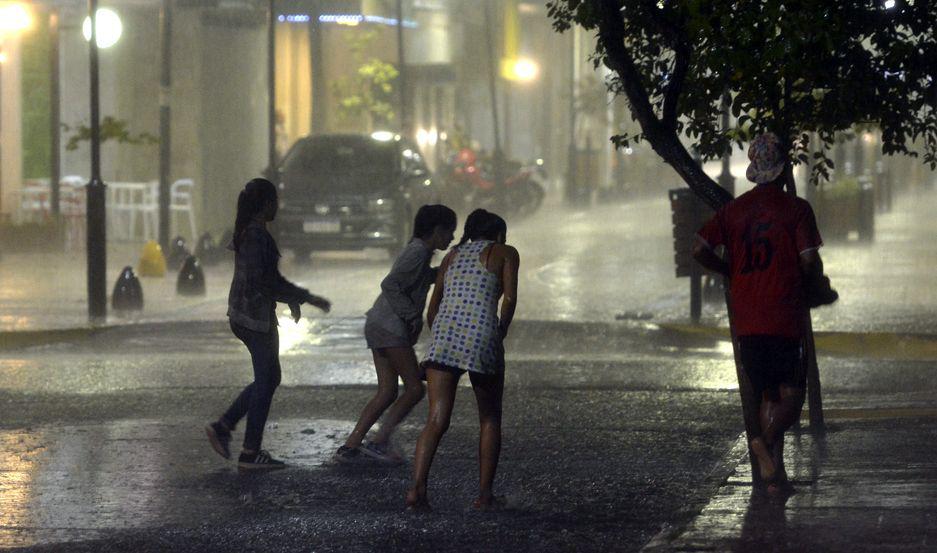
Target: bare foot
{"points": [[489, 502], [766, 465], [416, 501]]}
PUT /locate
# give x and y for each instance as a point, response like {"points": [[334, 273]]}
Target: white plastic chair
{"points": [[34, 200], [149, 210], [180, 201], [72, 198], [121, 210]]}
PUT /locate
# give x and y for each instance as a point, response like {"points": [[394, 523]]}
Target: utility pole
{"points": [[165, 152], [96, 213], [572, 178], [317, 72], [493, 89], [271, 90], [406, 124]]}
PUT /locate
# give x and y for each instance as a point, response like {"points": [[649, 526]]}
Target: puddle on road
{"points": [[66, 483]]}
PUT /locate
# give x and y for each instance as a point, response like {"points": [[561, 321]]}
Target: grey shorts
{"points": [[377, 337]]}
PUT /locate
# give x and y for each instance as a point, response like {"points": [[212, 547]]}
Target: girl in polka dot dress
{"points": [[468, 337]]}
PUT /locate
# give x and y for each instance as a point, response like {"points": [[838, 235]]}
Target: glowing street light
{"points": [[522, 70], [109, 28], [14, 18]]}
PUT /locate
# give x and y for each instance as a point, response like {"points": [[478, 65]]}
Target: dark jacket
{"points": [[257, 284]]}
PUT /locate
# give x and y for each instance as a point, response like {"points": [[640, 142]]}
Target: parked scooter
{"points": [[475, 182]]}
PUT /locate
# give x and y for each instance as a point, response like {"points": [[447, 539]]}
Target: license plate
{"points": [[322, 226]]}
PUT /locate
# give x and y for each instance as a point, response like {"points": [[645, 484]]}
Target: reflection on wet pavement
{"points": [[81, 480], [865, 486]]}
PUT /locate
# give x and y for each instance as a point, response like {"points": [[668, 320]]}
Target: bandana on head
{"points": [[767, 159]]}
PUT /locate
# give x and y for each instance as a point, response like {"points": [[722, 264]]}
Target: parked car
{"points": [[351, 191]]}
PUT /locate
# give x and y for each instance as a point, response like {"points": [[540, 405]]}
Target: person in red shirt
{"points": [[771, 244]]}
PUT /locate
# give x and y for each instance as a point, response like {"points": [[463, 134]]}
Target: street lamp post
{"points": [[96, 214], [492, 85], [165, 153], [271, 91]]}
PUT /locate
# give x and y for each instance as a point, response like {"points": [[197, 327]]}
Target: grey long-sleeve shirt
{"points": [[404, 289]]}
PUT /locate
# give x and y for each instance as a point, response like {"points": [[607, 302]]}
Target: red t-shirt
{"points": [[764, 231]]}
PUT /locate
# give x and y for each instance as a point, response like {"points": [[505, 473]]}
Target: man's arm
{"points": [[705, 256], [810, 264]]}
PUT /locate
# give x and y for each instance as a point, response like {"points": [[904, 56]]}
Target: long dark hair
{"points": [[251, 201], [483, 225], [428, 217]]}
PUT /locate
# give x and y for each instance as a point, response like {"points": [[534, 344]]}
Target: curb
{"points": [[879, 345], [717, 477], [875, 345], [17, 339]]}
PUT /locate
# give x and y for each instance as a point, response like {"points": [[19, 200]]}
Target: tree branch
{"points": [[675, 87], [676, 35], [663, 139]]}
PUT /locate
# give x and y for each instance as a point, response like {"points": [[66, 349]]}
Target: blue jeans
{"points": [[254, 400]]}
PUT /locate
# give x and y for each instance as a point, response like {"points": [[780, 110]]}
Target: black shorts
{"points": [[770, 361]]}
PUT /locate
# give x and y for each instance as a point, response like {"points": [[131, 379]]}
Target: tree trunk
{"points": [[664, 140]]}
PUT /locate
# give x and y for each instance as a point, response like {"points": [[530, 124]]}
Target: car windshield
{"points": [[347, 154]]}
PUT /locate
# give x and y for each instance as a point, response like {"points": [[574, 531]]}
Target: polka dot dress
{"points": [[465, 331]]}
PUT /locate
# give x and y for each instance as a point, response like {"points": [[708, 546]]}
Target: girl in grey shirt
{"points": [[391, 329]]}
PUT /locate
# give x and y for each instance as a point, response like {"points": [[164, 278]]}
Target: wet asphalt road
{"points": [[589, 459], [610, 433]]}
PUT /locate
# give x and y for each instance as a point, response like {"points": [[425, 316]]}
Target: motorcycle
{"points": [[519, 194]]}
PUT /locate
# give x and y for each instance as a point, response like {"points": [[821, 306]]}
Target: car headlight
{"points": [[381, 205]]}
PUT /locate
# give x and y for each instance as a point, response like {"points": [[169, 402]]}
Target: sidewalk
{"points": [[869, 485], [46, 291]]}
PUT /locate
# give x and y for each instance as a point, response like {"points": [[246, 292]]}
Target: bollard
{"points": [[226, 238], [178, 252], [152, 262], [206, 250], [191, 281], [128, 294]]}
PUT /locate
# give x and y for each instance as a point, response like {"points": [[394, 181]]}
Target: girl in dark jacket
{"points": [[256, 288]]}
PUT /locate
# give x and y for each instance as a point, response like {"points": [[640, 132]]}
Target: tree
{"points": [[370, 91], [111, 128], [797, 68]]}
